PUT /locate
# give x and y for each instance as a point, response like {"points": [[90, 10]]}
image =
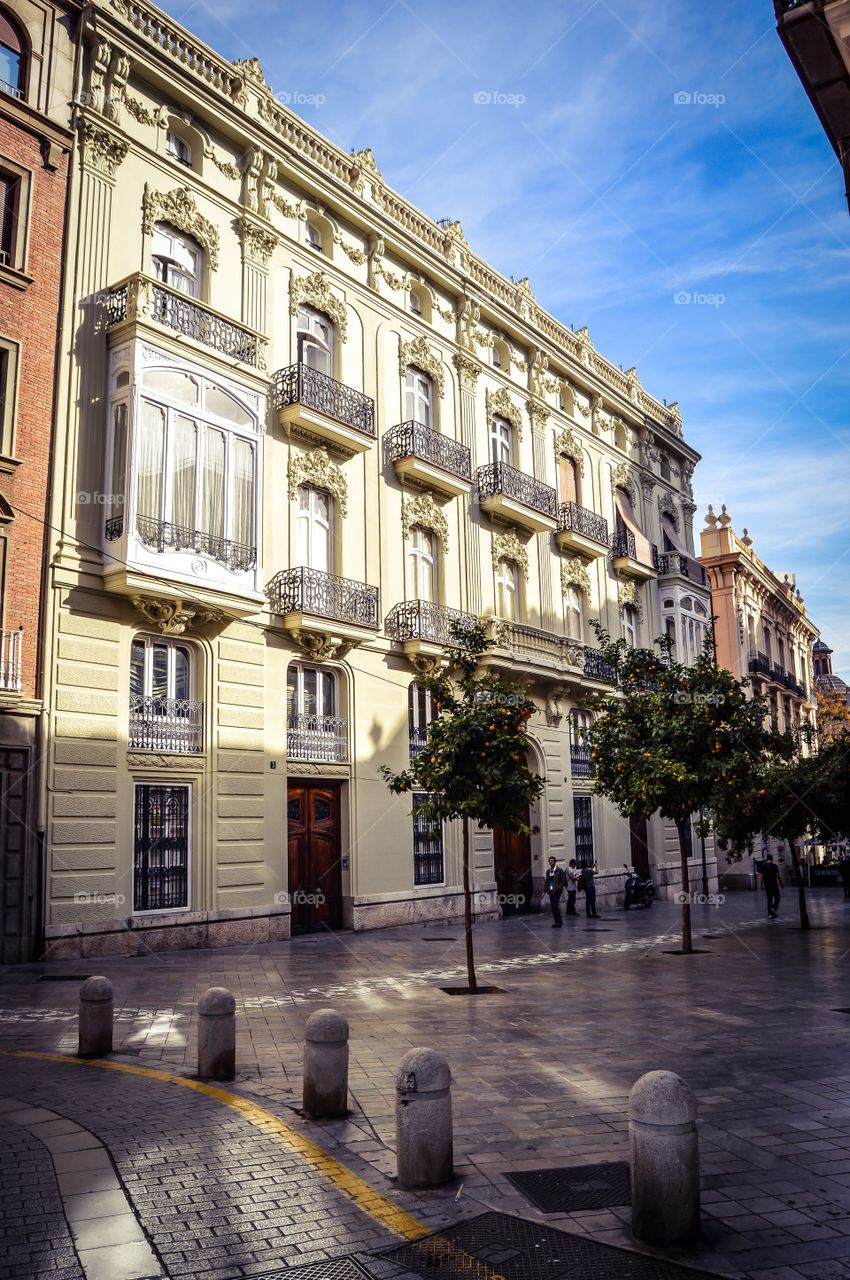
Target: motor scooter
{"points": [[639, 890]]}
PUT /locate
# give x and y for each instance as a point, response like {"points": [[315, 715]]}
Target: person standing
{"points": [[554, 888], [572, 888], [771, 882], [588, 884]]}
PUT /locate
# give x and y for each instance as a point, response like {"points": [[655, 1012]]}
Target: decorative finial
{"points": [[724, 518], [747, 540], [710, 518]]}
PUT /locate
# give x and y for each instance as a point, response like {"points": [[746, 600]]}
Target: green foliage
{"points": [[675, 740], [474, 763]]}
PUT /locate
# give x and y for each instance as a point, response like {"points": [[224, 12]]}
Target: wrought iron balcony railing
{"points": [[759, 663], [324, 595], [418, 740], [777, 673], [300, 384], [166, 724], [579, 761], [675, 563], [580, 520], [596, 668], [140, 296], [310, 737], [11, 644], [498, 477], [161, 535], [414, 440], [624, 543], [423, 620]]}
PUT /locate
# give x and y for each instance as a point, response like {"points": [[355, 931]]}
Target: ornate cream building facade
{"points": [[762, 633], [303, 427]]}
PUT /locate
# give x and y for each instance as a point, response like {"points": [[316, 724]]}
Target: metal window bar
{"points": [[499, 477], [301, 384], [579, 761], [623, 544], [186, 315], [424, 620], [315, 737], [166, 724], [427, 845], [161, 848], [415, 440], [596, 667], [579, 520], [11, 644], [583, 826], [161, 535], [323, 594]]}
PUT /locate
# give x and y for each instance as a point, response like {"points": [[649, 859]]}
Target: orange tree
{"points": [[833, 713], [675, 740], [473, 766]]}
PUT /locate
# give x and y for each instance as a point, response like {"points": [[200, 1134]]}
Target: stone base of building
{"points": [[188, 930], [668, 878], [417, 906]]}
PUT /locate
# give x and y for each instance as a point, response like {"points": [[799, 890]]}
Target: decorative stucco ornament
{"points": [[424, 512], [419, 354], [179, 209], [507, 546], [315, 290], [317, 468]]}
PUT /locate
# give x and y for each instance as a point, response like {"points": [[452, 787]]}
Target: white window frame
{"points": [[315, 333], [313, 237], [414, 304], [574, 613], [172, 646], [423, 564], [179, 262], [501, 441], [630, 625], [507, 590], [166, 911], [310, 523], [326, 679], [177, 148], [418, 397]]}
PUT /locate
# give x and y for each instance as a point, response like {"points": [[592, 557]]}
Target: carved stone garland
{"points": [[566, 445], [500, 404], [622, 478], [418, 353], [575, 574], [423, 511], [507, 546], [179, 208], [628, 592], [315, 290], [317, 468], [667, 507]]}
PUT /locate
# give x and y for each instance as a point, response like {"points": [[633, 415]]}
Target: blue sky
{"points": [[588, 173]]}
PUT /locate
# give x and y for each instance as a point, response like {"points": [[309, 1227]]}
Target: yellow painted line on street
{"points": [[377, 1206]]}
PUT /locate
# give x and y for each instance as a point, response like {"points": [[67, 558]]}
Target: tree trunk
{"points": [[801, 888], [467, 912], [687, 944]]}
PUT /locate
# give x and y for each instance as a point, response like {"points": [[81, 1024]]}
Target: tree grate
{"points": [[345, 1268], [496, 1246], [577, 1187]]}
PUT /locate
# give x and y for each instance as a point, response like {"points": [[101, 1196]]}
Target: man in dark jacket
{"points": [[588, 887], [554, 886], [771, 882]]}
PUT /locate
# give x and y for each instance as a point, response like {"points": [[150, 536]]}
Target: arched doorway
{"points": [[512, 859]]}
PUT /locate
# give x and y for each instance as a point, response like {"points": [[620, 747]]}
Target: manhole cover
{"points": [[580, 1186], [497, 1245], [334, 1269]]}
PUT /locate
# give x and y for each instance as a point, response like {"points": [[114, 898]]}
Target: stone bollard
{"points": [[423, 1119], [325, 1092], [664, 1154], [95, 1034], [217, 1034]]}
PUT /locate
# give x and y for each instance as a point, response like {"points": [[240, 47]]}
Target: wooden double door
{"points": [[512, 865], [315, 873], [17, 859]]}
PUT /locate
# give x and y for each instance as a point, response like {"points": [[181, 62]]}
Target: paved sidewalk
{"points": [[541, 1077]]}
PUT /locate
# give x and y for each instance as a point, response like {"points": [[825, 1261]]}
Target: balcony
{"points": [[424, 628], [579, 761], [322, 738], [519, 649], [596, 668], [322, 611], [581, 530], [161, 535], [507, 494], [11, 645], [314, 406], [166, 724], [427, 457], [673, 564], [141, 299], [629, 559], [758, 663]]}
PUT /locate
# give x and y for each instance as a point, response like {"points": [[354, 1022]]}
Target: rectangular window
{"points": [[161, 848], [583, 826], [8, 395], [14, 200], [427, 845]]}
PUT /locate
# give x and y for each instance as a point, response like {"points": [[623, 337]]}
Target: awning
{"points": [[643, 547], [669, 526]]}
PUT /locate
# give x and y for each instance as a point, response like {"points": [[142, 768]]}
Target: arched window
{"points": [[630, 625], [314, 729], [315, 340], [501, 441], [178, 148], [13, 59], [768, 652], [418, 397], [422, 563], [500, 355], [507, 591], [665, 467], [313, 236], [420, 713], [569, 479], [163, 713], [620, 438], [177, 259], [314, 529], [574, 606]]}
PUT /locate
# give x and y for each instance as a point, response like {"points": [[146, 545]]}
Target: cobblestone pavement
{"points": [[759, 1026]]}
